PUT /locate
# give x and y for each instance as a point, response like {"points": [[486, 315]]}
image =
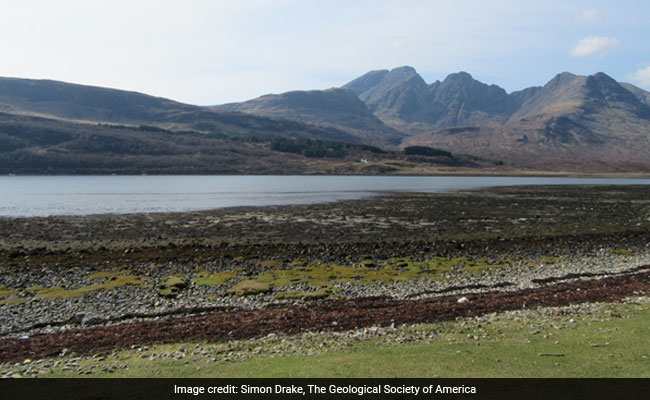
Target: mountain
{"points": [[59, 128], [588, 93], [338, 108], [53, 99], [465, 101], [403, 100], [82, 102], [37, 145], [396, 96], [572, 122], [641, 94]]}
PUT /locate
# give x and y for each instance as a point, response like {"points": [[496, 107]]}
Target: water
{"points": [[24, 196]]}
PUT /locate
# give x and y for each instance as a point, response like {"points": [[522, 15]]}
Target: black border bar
{"points": [[334, 389]]}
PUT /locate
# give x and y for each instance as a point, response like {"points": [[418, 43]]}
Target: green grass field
{"points": [[607, 340]]}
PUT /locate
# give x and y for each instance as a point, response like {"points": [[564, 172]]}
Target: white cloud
{"points": [[588, 16], [642, 76], [594, 45]]}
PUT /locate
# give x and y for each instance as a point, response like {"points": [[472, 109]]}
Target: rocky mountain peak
{"points": [[461, 76], [605, 91], [366, 81]]}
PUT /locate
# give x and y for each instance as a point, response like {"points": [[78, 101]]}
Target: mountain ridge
{"points": [[571, 120], [335, 107], [79, 103]]}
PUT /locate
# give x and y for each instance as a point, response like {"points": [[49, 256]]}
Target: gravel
{"points": [[138, 303]]}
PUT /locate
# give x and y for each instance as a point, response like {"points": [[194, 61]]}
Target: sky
{"points": [[217, 51]]}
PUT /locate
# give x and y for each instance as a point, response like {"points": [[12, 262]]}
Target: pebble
{"points": [[99, 306]]}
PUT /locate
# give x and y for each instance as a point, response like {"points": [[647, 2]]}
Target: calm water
{"points": [[81, 195]]}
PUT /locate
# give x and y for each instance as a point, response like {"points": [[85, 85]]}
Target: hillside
{"points": [[83, 102], [641, 94], [572, 122], [52, 99], [396, 96], [402, 99], [338, 108], [37, 145]]}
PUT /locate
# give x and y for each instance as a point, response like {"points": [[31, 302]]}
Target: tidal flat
{"points": [[325, 267]]}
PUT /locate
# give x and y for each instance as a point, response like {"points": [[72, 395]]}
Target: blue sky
{"points": [[212, 52]]}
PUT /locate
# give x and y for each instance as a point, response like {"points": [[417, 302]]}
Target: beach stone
{"points": [[91, 319]]}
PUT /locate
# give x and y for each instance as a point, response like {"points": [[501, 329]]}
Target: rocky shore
{"points": [[41, 315], [69, 273]]}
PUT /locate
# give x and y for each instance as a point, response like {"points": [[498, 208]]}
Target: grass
{"points": [[605, 343]]}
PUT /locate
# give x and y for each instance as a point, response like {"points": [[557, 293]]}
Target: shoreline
{"points": [[361, 194], [506, 212], [435, 173], [66, 273], [334, 316]]}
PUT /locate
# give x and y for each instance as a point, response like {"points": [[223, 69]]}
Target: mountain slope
{"points": [[95, 104], [567, 92], [338, 108], [36, 145], [642, 95], [403, 100], [465, 101], [572, 120], [366, 82], [577, 123], [397, 98], [83, 102]]}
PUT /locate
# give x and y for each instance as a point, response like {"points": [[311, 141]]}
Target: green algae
{"points": [[249, 287], [481, 266], [7, 296], [6, 292], [621, 252], [14, 300], [316, 274], [553, 259], [217, 278], [111, 281], [319, 275], [323, 275], [172, 286]]}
